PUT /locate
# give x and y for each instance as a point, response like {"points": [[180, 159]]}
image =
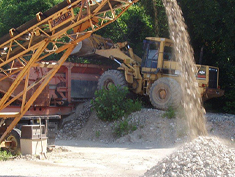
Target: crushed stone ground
{"points": [[204, 156], [152, 128], [86, 146], [213, 155]]}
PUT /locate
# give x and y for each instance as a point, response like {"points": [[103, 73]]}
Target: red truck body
{"points": [[72, 84]]}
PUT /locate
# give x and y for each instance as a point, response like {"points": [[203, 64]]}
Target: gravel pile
{"points": [[152, 128], [220, 117], [155, 130], [75, 121], [221, 125], [205, 156]]}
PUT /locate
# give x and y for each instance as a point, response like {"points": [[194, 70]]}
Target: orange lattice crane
{"points": [[55, 31]]}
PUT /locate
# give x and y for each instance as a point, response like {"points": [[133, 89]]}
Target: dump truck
{"points": [[73, 84], [54, 32], [156, 74]]}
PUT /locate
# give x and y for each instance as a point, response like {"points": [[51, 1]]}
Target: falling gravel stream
{"points": [[204, 155], [194, 112]]}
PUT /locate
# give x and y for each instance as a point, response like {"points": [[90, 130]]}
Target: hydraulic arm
{"points": [[56, 31]]}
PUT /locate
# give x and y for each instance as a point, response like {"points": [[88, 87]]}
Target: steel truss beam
{"points": [[56, 33]]}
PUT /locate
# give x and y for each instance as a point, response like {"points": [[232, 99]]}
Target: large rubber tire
{"points": [[164, 93], [14, 136], [111, 77]]}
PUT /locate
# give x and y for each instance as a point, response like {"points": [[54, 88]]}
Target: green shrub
{"points": [[97, 134], [112, 104], [4, 155], [170, 113], [123, 127], [132, 106]]}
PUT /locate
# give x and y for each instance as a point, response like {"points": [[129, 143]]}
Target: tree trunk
{"points": [[155, 17]]}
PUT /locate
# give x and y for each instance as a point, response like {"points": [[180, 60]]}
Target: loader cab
{"points": [[151, 52], [158, 56]]}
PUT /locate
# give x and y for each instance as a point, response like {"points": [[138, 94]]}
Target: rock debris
{"points": [[76, 121], [204, 156], [152, 128]]}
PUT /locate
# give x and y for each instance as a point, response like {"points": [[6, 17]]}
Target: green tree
{"points": [[211, 28], [156, 10], [16, 12], [144, 19], [133, 26]]}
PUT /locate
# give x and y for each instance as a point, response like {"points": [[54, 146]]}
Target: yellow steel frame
{"points": [[58, 33]]}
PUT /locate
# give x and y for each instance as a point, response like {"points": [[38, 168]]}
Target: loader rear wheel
{"points": [[14, 137], [111, 77], [165, 93]]}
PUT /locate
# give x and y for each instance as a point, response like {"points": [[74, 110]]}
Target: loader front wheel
{"points": [[164, 93], [111, 77], [14, 137]]}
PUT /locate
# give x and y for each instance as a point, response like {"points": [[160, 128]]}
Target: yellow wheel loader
{"points": [[157, 74]]}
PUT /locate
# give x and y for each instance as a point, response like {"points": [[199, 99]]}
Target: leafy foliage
{"points": [[211, 27], [123, 127], [132, 106], [156, 10], [16, 12], [170, 113], [112, 104], [97, 134], [4, 155], [131, 27]]}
